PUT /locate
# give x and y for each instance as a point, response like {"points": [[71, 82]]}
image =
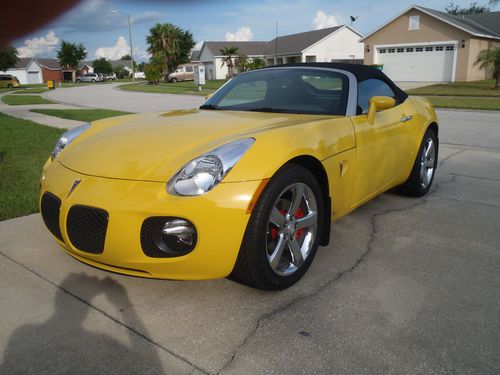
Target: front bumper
{"points": [[220, 217]]}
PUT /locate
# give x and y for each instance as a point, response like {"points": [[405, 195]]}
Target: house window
{"points": [[409, 49], [414, 23], [419, 49], [439, 48], [400, 50], [449, 48], [382, 50], [391, 50], [429, 48], [310, 58]]}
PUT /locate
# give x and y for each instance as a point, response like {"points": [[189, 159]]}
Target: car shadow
{"points": [[71, 340]]}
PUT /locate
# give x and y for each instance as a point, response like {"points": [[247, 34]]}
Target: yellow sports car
{"points": [[247, 185]]}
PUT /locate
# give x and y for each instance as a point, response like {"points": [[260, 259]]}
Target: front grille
{"points": [[87, 227], [50, 207]]}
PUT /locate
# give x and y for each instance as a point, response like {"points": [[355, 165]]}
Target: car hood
{"points": [[154, 146]]}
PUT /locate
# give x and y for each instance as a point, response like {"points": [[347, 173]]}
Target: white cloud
{"points": [[39, 46], [115, 52], [198, 45], [322, 20], [244, 33]]}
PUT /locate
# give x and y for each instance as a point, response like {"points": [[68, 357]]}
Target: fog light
{"points": [[179, 234], [167, 237]]}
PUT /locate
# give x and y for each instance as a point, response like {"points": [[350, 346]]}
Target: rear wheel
{"points": [[9, 86], [283, 232], [174, 80], [93, 80], [422, 173]]}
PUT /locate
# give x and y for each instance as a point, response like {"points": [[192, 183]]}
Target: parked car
{"points": [[9, 81], [89, 77], [139, 75], [109, 77], [248, 184], [184, 72]]}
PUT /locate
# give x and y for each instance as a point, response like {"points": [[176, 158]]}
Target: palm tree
{"points": [[242, 63], [490, 58], [163, 39], [228, 53], [256, 64]]}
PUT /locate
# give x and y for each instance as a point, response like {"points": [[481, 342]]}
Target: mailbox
{"points": [[199, 75]]}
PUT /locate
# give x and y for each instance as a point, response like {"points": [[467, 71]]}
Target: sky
{"points": [[105, 34]]}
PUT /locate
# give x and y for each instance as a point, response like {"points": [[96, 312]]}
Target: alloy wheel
{"points": [[427, 162]]}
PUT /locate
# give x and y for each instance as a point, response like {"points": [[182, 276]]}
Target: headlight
{"points": [[67, 138], [202, 174]]}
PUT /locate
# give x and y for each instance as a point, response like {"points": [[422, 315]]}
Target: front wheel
{"points": [[93, 80], [422, 173], [174, 80], [283, 232]]}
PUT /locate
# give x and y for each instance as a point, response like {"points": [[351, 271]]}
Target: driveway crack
{"points": [[368, 249]]}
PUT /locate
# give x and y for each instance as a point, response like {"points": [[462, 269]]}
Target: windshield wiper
{"points": [[210, 106]]}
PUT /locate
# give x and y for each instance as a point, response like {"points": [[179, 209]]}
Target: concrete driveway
{"points": [[406, 286]]}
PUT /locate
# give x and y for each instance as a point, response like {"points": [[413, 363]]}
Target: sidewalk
{"points": [[23, 112]]}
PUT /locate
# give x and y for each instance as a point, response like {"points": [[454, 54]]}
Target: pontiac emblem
{"points": [[75, 184]]}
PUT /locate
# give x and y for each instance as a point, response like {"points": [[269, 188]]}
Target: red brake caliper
{"points": [[298, 233]]}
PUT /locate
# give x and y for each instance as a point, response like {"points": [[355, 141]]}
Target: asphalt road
{"points": [[406, 286]]}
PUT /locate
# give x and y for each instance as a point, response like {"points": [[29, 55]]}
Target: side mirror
{"points": [[208, 96], [379, 103]]}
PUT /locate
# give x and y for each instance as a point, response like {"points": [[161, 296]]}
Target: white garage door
{"points": [[417, 63], [34, 77]]}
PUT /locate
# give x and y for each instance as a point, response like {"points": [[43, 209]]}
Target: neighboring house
{"points": [[422, 44], [337, 44], [27, 71], [84, 67], [211, 57], [51, 69]]}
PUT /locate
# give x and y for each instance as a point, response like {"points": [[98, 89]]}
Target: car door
{"points": [[382, 147]]}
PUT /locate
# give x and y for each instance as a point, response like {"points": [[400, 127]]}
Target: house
{"points": [[422, 44], [27, 70], [212, 58], [333, 44], [51, 69]]}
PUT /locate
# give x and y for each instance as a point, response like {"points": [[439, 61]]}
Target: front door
{"points": [[382, 147]]}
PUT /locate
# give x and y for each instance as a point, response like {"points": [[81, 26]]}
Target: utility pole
{"points": [[276, 45], [130, 40]]}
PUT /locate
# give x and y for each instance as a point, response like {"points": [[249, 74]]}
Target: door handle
{"points": [[406, 118]]}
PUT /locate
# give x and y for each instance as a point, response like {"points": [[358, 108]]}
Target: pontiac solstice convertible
{"points": [[246, 186]]}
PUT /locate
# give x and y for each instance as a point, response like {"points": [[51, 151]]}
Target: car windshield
{"points": [[284, 90]]}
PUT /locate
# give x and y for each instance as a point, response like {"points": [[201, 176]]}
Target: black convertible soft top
{"points": [[361, 72]]}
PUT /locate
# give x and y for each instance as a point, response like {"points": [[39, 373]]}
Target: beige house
{"points": [[422, 44]]}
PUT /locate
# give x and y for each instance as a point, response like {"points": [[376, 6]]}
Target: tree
{"points": [[71, 54], [120, 71], [242, 63], [102, 66], [473, 8], [256, 63], [490, 58], [154, 70], [126, 57], [171, 43], [229, 53], [8, 57], [141, 67]]}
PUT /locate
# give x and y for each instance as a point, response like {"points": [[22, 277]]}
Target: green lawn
{"points": [[475, 88], [34, 90], [25, 99], [186, 87], [24, 147], [465, 103], [87, 115]]}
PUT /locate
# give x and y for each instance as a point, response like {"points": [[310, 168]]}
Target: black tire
{"points": [[415, 185], [78, 81], [93, 80], [9, 86], [174, 80], [252, 266]]}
